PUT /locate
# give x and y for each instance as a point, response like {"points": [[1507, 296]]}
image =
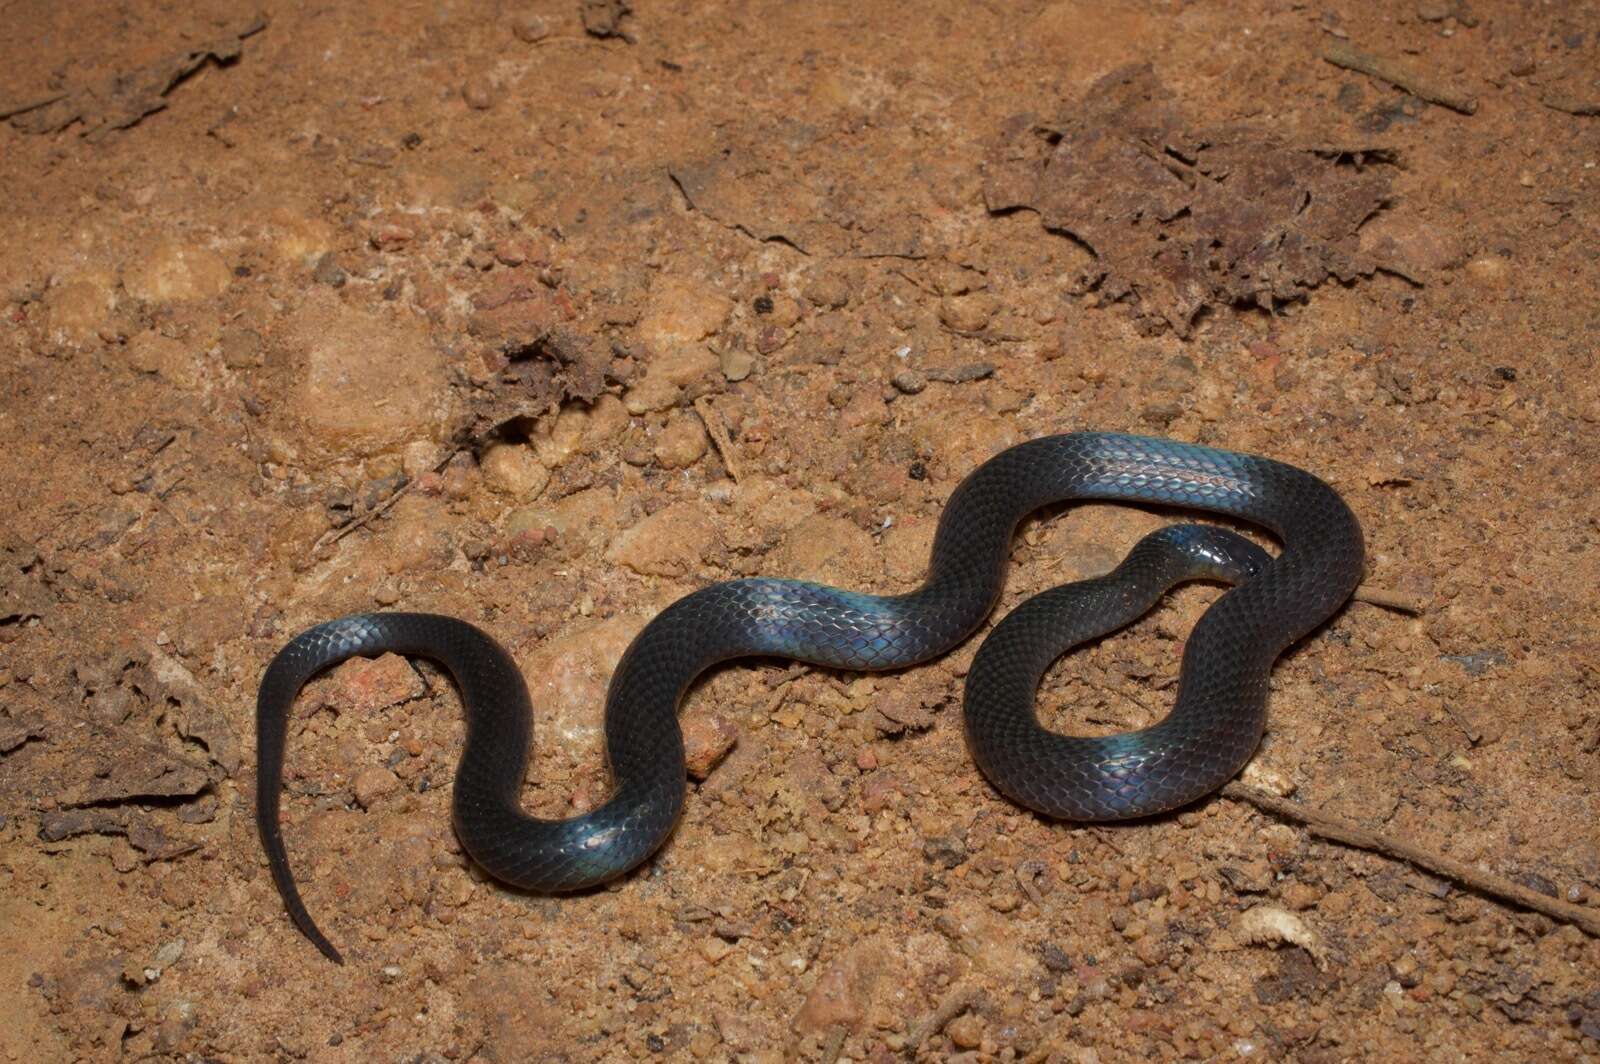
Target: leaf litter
{"points": [[1180, 218]]}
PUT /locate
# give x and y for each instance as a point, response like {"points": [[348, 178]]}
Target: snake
{"points": [[1215, 723]]}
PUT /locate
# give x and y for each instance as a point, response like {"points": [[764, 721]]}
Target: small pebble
{"points": [[967, 314], [909, 381], [373, 783], [706, 741], [478, 93], [1003, 400], [1162, 414], [1301, 896], [390, 236], [770, 338], [783, 311], [682, 443], [737, 364], [512, 469], [966, 1031], [328, 271], [241, 348], [827, 291], [529, 28], [945, 850]]}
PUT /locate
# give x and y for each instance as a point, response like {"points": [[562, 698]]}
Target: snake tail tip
{"points": [[328, 950], [308, 927]]}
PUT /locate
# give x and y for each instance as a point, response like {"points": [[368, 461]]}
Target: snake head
{"points": [[1212, 553]]}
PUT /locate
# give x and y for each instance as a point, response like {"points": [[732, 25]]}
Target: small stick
{"points": [[1028, 872], [334, 535], [719, 435], [1389, 598], [1572, 105], [1400, 76], [11, 108], [1350, 834], [955, 1003]]}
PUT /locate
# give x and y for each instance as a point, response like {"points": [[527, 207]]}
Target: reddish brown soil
{"points": [[429, 306]]}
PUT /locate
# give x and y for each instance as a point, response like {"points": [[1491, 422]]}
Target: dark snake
{"points": [[1214, 726]]}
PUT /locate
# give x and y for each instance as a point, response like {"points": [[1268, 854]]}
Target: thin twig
{"points": [[334, 535], [719, 435], [19, 107], [1392, 599], [1570, 104], [1343, 831], [955, 1003], [1400, 76], [1028, 874]]}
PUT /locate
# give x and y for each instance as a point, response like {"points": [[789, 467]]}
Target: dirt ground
{"points": [[544, 315]]}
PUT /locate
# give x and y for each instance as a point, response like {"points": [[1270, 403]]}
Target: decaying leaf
{"points": [[140, 829], [125, 99], [192, 713], [17, 727], [1181, 218], [123, 771], [23, 594]]}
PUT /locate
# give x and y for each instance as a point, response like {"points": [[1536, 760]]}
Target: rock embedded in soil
{"points": [[909, 381], [672, 542], [81, 307], [369, 381], [785, 311], [966, 1031], [529, 27], [967, 314], [512, 469], [582, 522], [681, 316], [174, 272], [328, 271], [478, 93], [567, 678], [829, 291], [580, 428], [823, 548], [241, 348], [706, 741], [374, 783], [366, 685], [843, 989], [683, 443]]}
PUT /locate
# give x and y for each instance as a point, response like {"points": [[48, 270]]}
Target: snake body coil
{"points": [[1213, 728]]}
